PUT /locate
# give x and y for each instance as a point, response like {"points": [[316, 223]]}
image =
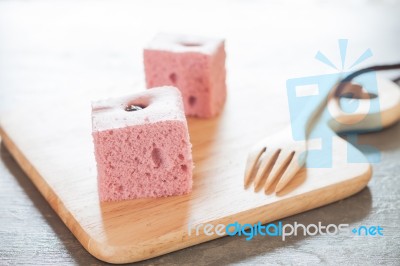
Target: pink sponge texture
{"points": [[142, 153], [195, 65]]}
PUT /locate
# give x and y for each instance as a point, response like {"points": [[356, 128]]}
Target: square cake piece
{"points": [[142, 145], [195, 65]]}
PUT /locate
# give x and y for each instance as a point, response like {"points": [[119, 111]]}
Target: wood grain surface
{"points": [[59, 161], [48, 53]]}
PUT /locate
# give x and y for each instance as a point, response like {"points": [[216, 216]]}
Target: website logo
{"points": [[307, 92], [281, 230]]}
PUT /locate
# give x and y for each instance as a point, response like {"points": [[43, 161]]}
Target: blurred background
{"points": [[98, 44], [64, 48]]}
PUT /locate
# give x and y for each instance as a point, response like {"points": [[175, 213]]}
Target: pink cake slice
{"points": [[142, 145], [195, 65]]}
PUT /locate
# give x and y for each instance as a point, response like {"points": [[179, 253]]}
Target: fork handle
{"points": [[302, 125]]}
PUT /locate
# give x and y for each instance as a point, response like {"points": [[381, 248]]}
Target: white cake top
{"points": [[184, 43], [159, 104]]}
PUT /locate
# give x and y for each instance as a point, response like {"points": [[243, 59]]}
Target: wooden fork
{"points": [[280, 155]]}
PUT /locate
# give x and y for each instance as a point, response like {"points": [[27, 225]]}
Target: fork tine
{"points": [[251, 163], [293, 168], [269, 157], [282, 160]]}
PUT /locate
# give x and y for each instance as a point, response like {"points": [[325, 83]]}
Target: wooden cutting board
{"points": [[51, 140]]}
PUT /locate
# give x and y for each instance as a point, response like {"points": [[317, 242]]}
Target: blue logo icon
{"points": [[308, 93]]}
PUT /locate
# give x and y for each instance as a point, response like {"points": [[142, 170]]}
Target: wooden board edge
{"points": [[324, 196], [147, 250], [44, 188]]}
